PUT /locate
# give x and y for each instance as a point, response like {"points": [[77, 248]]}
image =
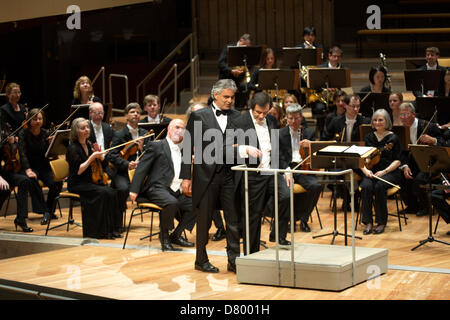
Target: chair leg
{"points": [[128, 229], [398, 213], [318, 217], [151, 227], [437, 222]]}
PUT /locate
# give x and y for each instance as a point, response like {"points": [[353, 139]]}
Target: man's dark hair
{"points": [[260, 98]]}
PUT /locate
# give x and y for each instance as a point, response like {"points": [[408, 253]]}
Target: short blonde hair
{"points": [[385, 115], [76, 89], [150, 98], [11, 86], [407, 105]]}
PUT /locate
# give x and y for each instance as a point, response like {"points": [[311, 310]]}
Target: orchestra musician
{"points": [[340, 101], [378, 79], [101, 132], [291, 98], [83, 93], [257, 124], [216, 217], [128, 160], [268, 61], [157, 179], [278, 113], [438, 199], [432, 55], [309, 39], [211, 183], [237, 74], [13, 112], [152, 107], [100, 208], [387, 168], [413, 196], [395, 100], [33, 144], [292, 139]]}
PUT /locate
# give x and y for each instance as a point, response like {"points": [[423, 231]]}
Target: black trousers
{"points": [[413, 195], [217, 218], [260, 192], [374, 187], [121, 182], [54, 188], [305, 202], [219, 195], [172, 203], [438, 200]]}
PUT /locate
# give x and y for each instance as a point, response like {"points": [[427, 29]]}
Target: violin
{"points": [[11, 151], [98, 175], [375, 157], [304, 153], [131, 148]]}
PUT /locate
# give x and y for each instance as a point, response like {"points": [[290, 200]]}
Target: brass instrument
{"points": [[388, 76], [247, 77], [311, 94]]}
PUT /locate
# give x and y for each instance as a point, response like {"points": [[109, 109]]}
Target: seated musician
{"points": [[33, 144], [395, 100], [415, 199], [83, 93], [432, 56], [439, 200], [101, 132], [387, 169], [268, 61], [292, 138], [290, 98], [125, 158], [157, 179], [13, 113], [152, 107], [100, 212], [237, 74], [340, 99], [378, 79], [309, 39]]}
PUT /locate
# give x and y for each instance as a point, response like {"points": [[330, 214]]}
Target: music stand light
{"points": [[433, 160]]}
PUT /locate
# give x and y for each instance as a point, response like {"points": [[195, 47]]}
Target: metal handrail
{"points": [[111, 75], [174, 68], [193, 58], [102, 71]]}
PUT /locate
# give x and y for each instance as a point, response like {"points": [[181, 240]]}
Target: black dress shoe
{"points": [[422, 212], [231, 267], [368, 229], [46, 218], [219, 235], [379, 229], [282, 242], [304, 227], [116, 234], [181, 241], [167, 246], [206, 267], [22, 225]]}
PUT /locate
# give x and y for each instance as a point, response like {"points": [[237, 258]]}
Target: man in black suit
{"points": [[124, 163], [211, 179], [292, 138], [101, 132], [259, 126], [346, 126], [432, 55], [235, 73], [157, 179], [415, 198], [152, 107]]}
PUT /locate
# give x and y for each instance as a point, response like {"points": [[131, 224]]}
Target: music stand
{"points": [[423, 80], [328, 78], [157, 128], [297, 57], [244, 56], [372, 101], [426, 106], [415, 63], [402, 132], [59, 144], [278, 79], [431, 159], [333, 162]]}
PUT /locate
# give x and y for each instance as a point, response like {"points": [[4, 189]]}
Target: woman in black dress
{"points": [[378, 79], [387, 168], [83, 93], [33, 144], [13, 113], [100, 209]]}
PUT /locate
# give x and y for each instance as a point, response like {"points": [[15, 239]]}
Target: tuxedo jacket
{"points": [[108, 134], [203, 172], [285, 154], [119, 137], [338, 124], [155, 169]]}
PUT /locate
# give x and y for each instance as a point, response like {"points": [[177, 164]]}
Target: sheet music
{"points": [[334, 149], [360, 150]]}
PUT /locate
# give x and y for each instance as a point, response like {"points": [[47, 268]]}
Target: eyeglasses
{"points": [[98, 113]]}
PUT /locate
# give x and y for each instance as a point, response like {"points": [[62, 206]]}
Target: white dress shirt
{"points": [[262, 131], [154, 120], [98, 131], [413, 131], [350, 124], [176, 160], [222, 119], [431, 92], [295, 143], [134, 132]]}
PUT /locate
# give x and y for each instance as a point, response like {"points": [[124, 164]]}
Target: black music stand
{"points": [[426, 106], [372, 101], [278, 79], [59, 144], [319, 78], [423, 80], [156, 127], [295, 58], [334, 162], [402, 132], [433, 160], [415, 63], [244, 56]]}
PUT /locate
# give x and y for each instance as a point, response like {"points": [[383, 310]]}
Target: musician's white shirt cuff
{"points": [[243, 152]]}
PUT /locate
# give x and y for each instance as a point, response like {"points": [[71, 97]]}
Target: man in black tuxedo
{"points": [[234, 73], [292, 138], [120, 178], [432, 55], [415, 198], [152, 107], [157, 179], [101, 132], [211, 179], [346, 126], [258, 126]]}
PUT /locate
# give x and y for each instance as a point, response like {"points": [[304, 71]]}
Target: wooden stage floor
{"points": [[142, 271]]}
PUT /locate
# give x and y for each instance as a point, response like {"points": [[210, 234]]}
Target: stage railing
{"points": [[277, 246]]}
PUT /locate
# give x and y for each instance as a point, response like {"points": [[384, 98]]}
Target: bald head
{"points": [[96, 112], [175, 130]]}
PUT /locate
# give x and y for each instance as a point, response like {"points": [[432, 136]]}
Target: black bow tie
{"points": [[224, 112]]}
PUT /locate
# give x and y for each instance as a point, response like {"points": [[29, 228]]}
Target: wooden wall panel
{"points": [[275, 23]]}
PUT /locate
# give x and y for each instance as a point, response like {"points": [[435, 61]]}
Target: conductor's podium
{"points": [[321, 267]]}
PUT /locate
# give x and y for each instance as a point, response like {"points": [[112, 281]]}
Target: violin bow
{"points": [[426, 127], [70, 115], [122, 144]]}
